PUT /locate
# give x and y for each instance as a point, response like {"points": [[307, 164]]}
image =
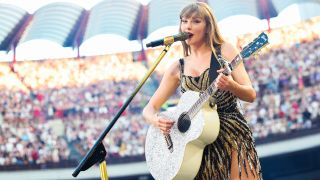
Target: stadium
{"points": [[67, 67]]}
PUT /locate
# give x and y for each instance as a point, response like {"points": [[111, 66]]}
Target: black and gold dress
{"points": [[234, 135]]}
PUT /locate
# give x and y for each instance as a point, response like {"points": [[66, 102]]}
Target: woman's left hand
{"points": [[224, 82]]}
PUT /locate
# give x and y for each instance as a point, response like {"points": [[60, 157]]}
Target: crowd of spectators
{"points": [[286, 76], [54, 110], [61, 106]]}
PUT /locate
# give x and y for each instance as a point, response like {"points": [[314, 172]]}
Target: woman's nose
{"points": [[189, 25]]}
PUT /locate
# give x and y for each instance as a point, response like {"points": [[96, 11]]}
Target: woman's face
{"points": [[196, 27]]}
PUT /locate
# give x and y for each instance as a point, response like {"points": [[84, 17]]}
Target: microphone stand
{"points": [[97, 153]]}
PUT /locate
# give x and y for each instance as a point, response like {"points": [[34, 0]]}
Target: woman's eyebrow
{"points": [[196, 17], [193, 18]]}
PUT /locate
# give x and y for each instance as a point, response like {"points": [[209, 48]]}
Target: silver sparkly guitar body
{"points": [[183, 160]]}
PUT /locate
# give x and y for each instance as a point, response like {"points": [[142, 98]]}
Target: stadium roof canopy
{"points": [[114, 17], [11, 18], [261, 9], [70, 25], [56, 22]]}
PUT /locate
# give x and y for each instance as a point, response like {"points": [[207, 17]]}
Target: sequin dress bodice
{"points": [[226, 101]]}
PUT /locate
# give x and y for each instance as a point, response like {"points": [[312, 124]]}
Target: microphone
{"points": [[169, 40]]}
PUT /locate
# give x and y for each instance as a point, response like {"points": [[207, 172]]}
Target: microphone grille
{"points": [[183, 36]]}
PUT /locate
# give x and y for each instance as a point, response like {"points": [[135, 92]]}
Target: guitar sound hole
{"points": [[184, 122]]}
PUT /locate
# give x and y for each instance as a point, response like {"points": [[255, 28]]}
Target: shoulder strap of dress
{"points": [[181, 65], [214, 64]]}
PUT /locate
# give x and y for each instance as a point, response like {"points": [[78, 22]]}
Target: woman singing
{"points": [[233, 154]]}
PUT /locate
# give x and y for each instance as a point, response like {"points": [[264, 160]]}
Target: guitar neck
{"points": [[212, 89], [235, 62], [251, 48]]}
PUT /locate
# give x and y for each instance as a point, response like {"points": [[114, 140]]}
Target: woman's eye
{"points": [[197, 21]]}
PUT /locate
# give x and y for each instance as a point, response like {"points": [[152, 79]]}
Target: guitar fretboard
{"points": [[247, 51], [212, 89]]}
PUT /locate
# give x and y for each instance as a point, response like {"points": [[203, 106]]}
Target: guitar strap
{"points": [[214, 65], [213, 74]]}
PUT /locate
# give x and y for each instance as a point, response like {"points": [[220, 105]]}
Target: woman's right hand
{"points": [[163, 124]]}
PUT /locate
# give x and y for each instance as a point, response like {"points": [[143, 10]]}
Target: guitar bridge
{"points": [[169, 142]]}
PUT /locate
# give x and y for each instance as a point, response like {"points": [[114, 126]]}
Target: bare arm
{"points": [[239, 83], [167, 87]]}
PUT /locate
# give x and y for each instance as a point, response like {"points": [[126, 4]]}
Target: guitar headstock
{"points": [[255, 46]]}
